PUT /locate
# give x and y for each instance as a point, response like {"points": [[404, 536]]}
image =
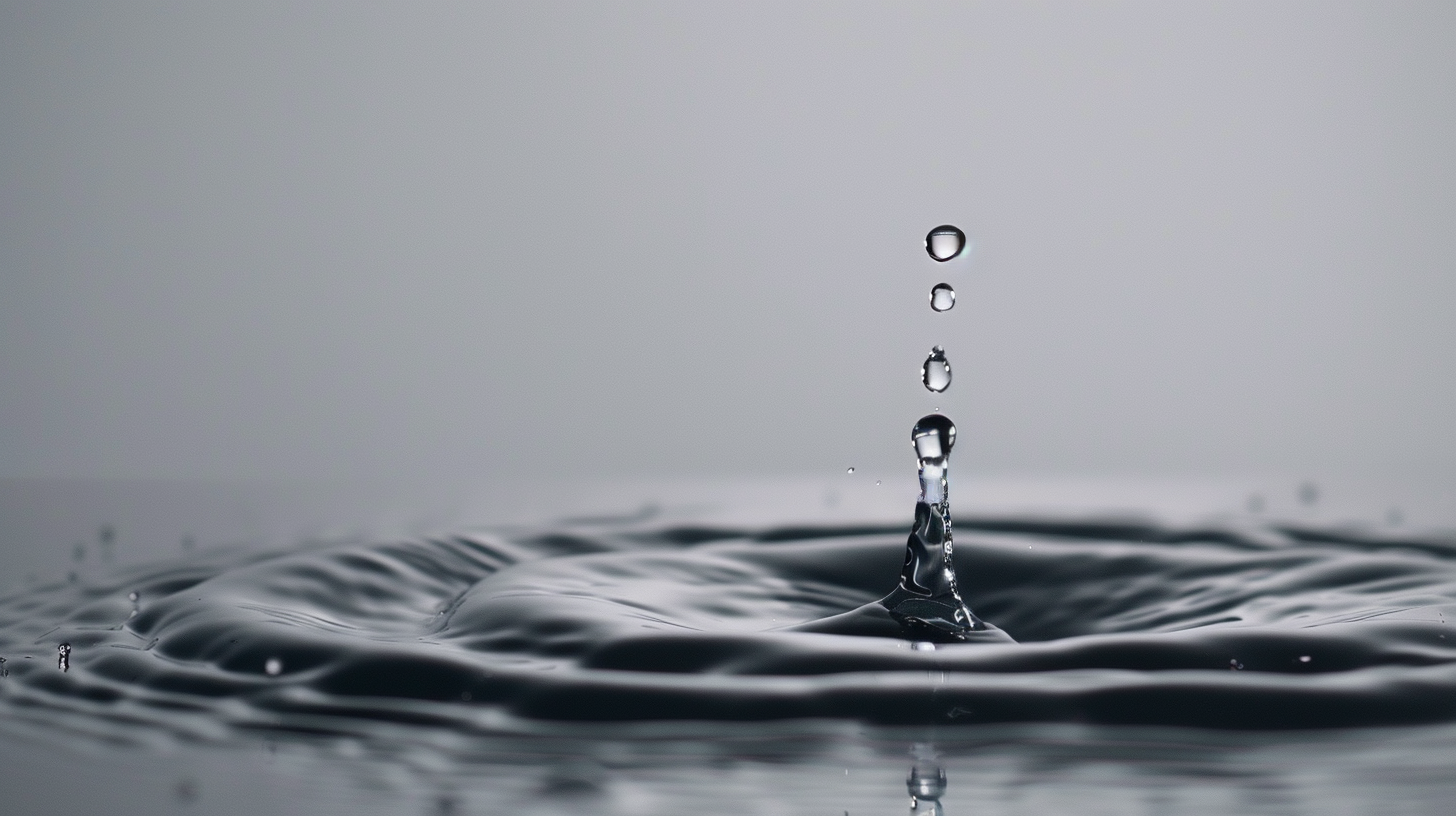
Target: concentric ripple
{"points": [[1269, 628]]}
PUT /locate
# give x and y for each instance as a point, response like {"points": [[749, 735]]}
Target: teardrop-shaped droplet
{"points": [[942, 297], [936, 371], [945, 242]]}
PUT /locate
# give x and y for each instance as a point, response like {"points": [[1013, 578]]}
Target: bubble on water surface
{"points": [[945, 242], [935, 373], [942, 297], [273, 666]]}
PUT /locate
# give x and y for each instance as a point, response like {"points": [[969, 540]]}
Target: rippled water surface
{"points": [[1280, 662]]}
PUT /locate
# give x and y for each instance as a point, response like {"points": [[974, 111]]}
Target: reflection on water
{"points": [[629, 658]]}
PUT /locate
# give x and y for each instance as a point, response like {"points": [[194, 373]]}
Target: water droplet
{"points": [[185, 791], [1304, 658], [926, 783], [936, 371], [850, 471], [1309, 494], [132, 596], [942, 297], [273, 666], [923, 646], [877, 483], [1235, 665], [63, 657], [945, 242]]}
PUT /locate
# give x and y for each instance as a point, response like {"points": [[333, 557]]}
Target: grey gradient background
{"points": [[266, 240]]}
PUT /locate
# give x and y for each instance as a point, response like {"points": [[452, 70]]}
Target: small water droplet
{"points": [[273, 666], [935, 373], [185, 791], [132, 596], [850, 471], [1304, 658], [942, 297], [1309, 494], [63, 657], [877, 483], [945, 242], [923, 646]]}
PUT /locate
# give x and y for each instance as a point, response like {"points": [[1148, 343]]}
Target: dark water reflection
{"points": [[597, 654]]}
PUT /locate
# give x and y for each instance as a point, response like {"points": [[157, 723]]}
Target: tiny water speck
{"points": [[945, 242], [274, 666], [942, 297], [850, 471], [935, 373]]}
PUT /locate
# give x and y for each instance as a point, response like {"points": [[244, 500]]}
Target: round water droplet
{"points": [[942, 297], [945, 242], [933, 436], [851, 471], [923, 646], [132, 596], [936, 371], [273, 666]]}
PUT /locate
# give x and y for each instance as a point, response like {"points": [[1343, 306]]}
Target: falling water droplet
{"points": [[926, 782], [936, 371], [273, 666], [945, 242], [63, 657], [942, 297]]}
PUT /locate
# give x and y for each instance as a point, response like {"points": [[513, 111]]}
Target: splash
{"points": [[927, 603]]}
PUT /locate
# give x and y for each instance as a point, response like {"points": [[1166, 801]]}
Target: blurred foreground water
{"points": [[1279, 647]]}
